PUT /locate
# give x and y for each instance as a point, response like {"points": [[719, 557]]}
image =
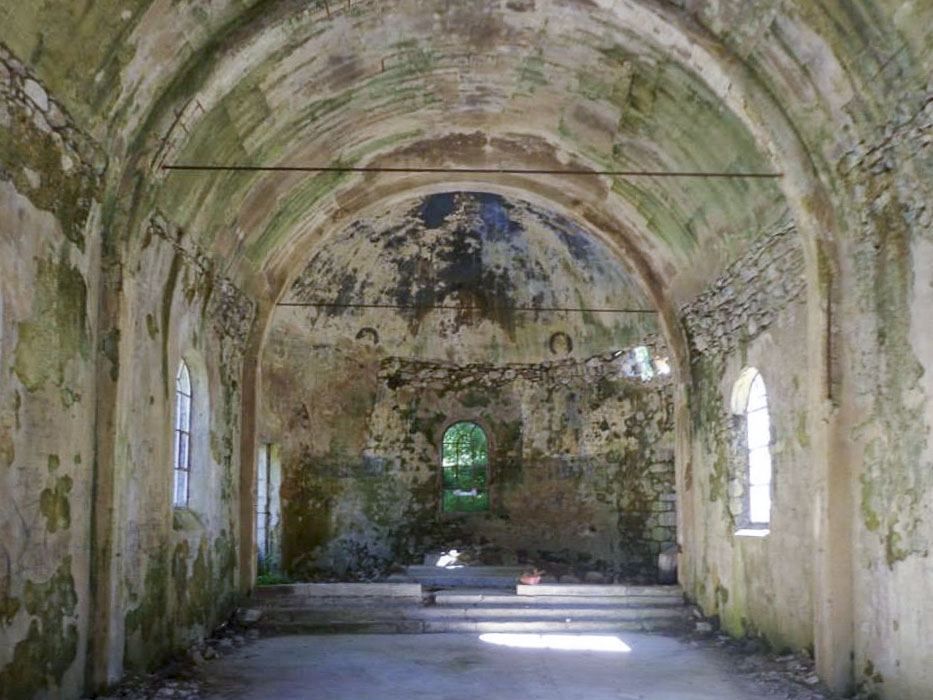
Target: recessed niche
{"points": [[560, 343], [368, 335]]}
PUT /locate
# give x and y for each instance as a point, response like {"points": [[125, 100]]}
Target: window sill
{"points": [[454, 514], [758, 533], [186, 520]]}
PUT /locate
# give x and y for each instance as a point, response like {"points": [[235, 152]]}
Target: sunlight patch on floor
{"points": [[567, 642]]}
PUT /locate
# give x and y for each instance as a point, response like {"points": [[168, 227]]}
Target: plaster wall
{"points": [[70, 524], [487, 261], [176, 566], [884, 406], [50, 197], [754, 316]]}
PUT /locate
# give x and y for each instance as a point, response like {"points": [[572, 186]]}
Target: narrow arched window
{"points": [[182, 434], [464, 469], [758, 440]]}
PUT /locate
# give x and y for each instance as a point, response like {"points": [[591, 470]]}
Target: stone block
{"points": [[56, 117], [667, 565], [248, 616], [36, 94], [345, 590]]}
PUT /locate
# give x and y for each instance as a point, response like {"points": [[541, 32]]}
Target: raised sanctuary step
{"points": [[561, 594], [461, 577], [406, 608], [412, 591]]}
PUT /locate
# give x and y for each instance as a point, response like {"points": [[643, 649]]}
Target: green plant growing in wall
{"points": [[465, 469]]}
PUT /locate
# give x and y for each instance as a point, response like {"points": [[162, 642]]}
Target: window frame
{"points": [[182, 433], [440, 472], [751, 401], [758, 449]]}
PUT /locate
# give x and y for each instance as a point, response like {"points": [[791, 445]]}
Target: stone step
{"points": [[402, 591], [405, 626], [647, 624], [672, 597], [584, 590], [461, 577], [487, 612], [406, 608]]}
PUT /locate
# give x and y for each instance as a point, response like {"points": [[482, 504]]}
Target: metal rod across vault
{"points": [[465, 171], [454, 307]]}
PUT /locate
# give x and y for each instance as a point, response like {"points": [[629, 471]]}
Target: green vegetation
{"points": [[272, 578], [465, 465]]}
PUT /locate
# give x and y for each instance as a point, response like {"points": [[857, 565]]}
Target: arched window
{"points": [[758, 441], [183, 396], [464, 469]]}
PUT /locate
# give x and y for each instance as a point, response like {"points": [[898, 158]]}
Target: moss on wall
{"points": [[55, 506], [58, 331], [184, 596], [51, 644], [892, 487], [179, 578], [82, 51], [148, 623], [32, 160], [9, 606]]}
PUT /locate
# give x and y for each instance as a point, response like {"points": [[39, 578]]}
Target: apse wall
{"points": [[581, 459], [487, 261]]}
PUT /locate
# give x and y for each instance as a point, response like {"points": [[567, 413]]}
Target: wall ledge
{"points": [[759, 533]]}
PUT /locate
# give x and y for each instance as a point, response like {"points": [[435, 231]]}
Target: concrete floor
{"points": [[460, 666]]}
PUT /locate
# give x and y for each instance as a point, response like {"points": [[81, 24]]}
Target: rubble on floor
{"points": [[181, 678], [791, 675]]}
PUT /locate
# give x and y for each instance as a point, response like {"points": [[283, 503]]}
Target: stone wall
{"points": [[581, 459], [753, 316], [50, 193]]}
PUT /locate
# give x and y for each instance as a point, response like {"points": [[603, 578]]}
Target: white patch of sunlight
{"points": [[450, 560], [567, 642]]}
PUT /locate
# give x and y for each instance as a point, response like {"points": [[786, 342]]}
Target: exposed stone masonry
{"points": [[230, 308], [400, 371], [42, 151], [748, 297], [581, 460]]}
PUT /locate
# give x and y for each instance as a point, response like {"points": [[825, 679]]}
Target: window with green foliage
{"points": [[465, 467]]}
